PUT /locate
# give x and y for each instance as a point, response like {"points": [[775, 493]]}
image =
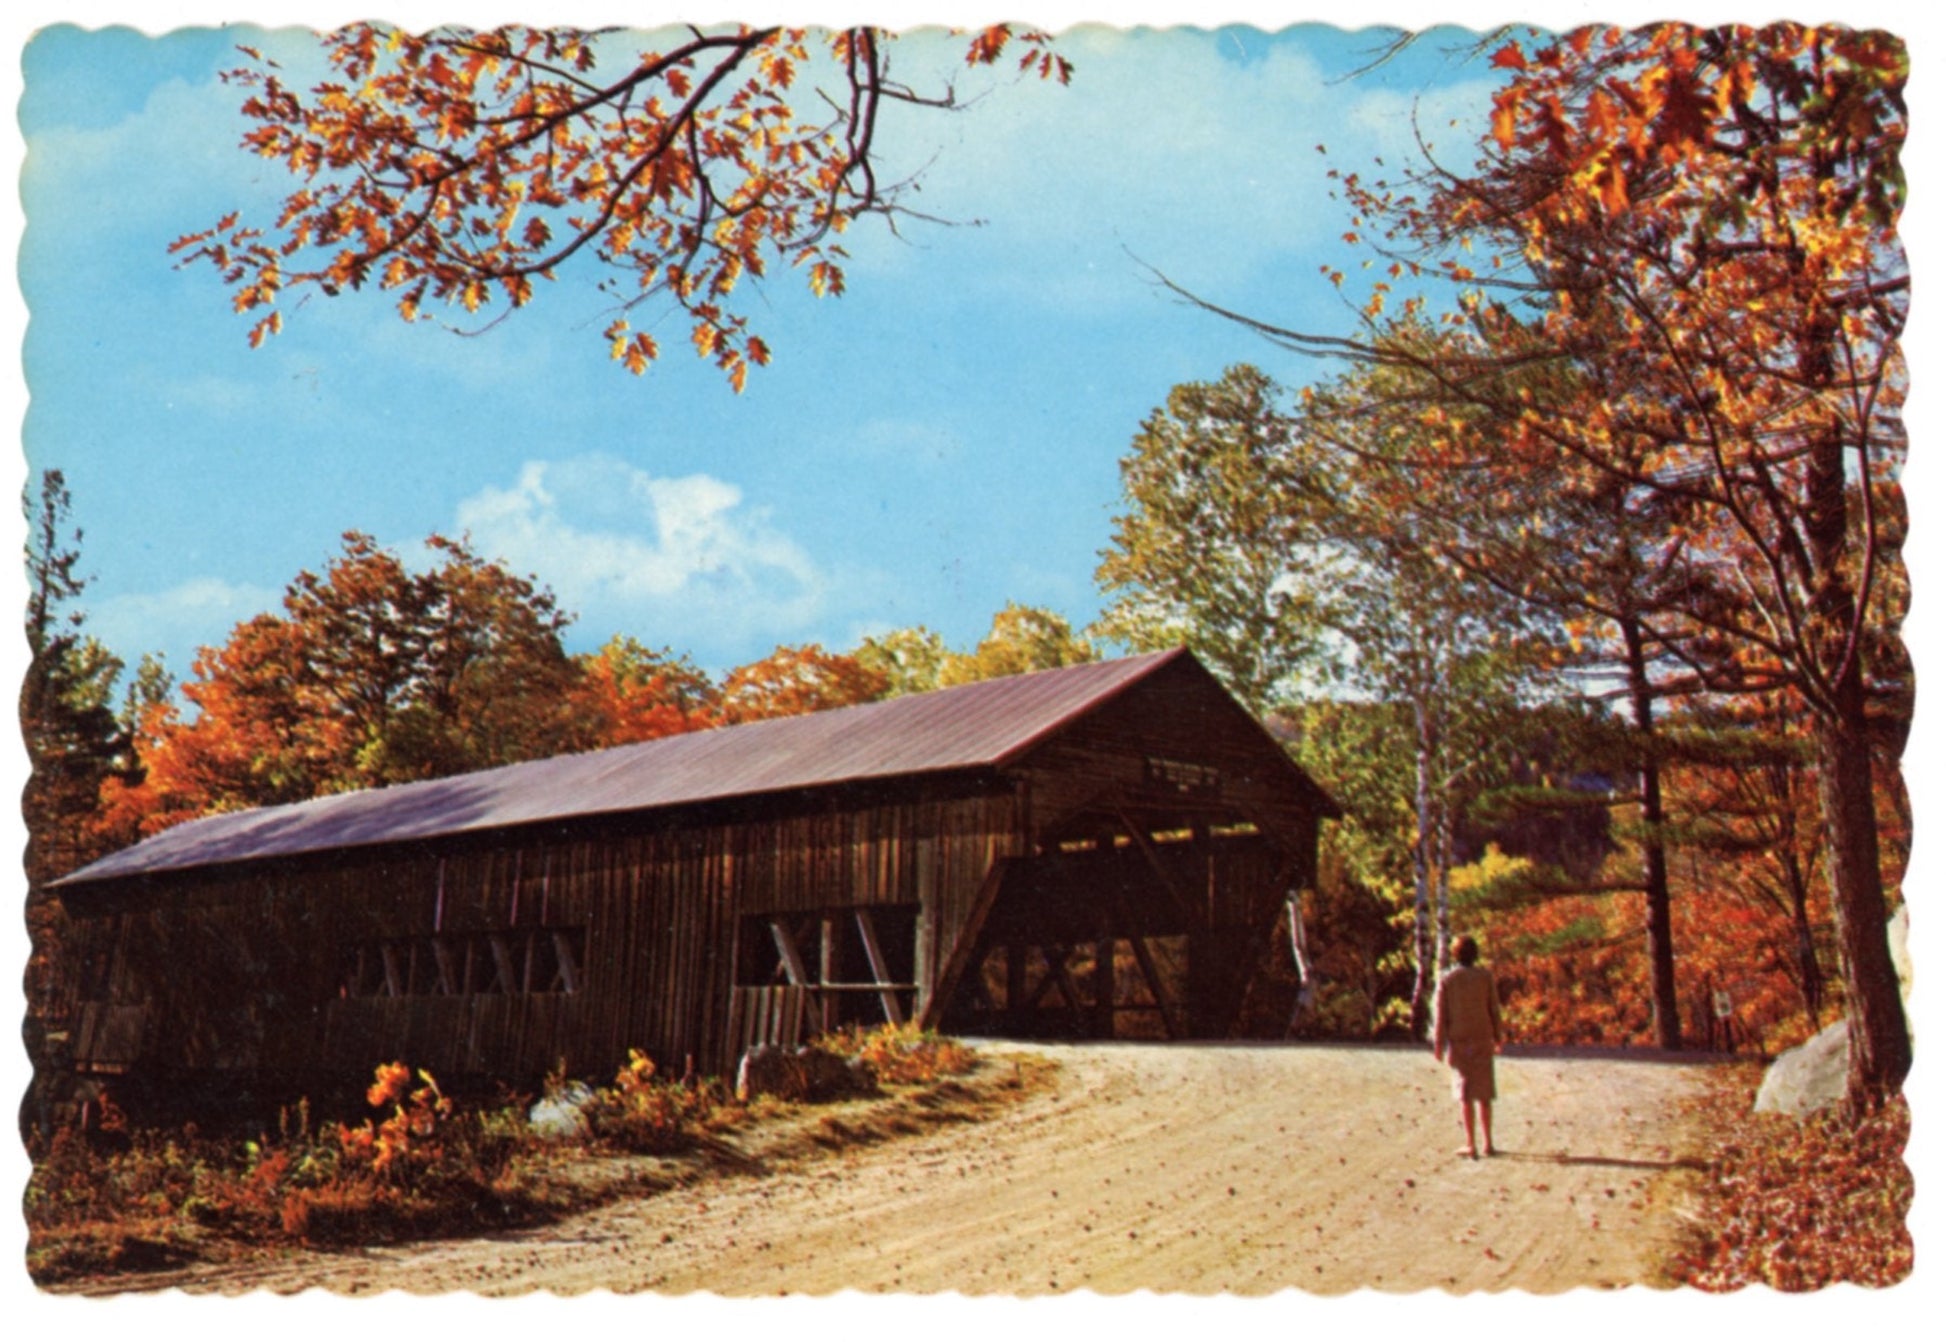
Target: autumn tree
{"points": [[1744, 800], [455, 168], [1020, 639], [373, 674], [1701, 223], [245, 738], [794, 680], [626, 692], [492, 681]]}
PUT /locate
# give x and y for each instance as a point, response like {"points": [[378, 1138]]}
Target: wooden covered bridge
{"points": [[1089, 852]]}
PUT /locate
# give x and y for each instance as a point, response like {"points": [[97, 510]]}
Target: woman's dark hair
{"points": [[1466, 951]]}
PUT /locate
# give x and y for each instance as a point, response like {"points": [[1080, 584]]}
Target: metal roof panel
{"points": [[965, 727]]}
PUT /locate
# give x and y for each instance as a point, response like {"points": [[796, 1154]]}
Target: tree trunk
{"points": [[1881, 1050], [1423, 954], [1655, 861], [1443, 897]]}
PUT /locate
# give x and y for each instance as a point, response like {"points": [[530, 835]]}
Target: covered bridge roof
{"points": [[986, 724]]}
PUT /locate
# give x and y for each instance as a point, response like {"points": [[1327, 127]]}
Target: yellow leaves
{"points": [[271, 325], [388, 1085], [635, 351], [1506, 117], [827, 280]]}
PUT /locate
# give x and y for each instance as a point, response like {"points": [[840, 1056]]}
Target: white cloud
{"points": [[684, 560], [1163, 152], [197, 613]]}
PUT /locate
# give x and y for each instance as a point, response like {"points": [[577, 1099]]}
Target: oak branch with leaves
{"points": [[457, 167]]}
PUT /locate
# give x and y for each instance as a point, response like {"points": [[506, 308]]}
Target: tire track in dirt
{"points": [[1181, 1168]]}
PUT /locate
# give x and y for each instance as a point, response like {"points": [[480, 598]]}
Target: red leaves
{"points": [[987, 44], [1798, 1205]]}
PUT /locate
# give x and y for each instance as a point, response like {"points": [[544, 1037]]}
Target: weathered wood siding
{"points": [[244, 969], [1162, 811], [1114, 756]]}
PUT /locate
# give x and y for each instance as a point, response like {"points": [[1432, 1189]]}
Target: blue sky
{"points": [[939, 441]]}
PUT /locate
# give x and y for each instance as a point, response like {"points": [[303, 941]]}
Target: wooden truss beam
{"points": [[1184, 904], [887, 997], [968, 942]]}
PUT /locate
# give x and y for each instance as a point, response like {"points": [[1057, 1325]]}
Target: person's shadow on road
{"points": [[1614, 1162]]}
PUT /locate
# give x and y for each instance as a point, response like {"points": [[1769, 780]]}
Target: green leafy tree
{"points": [[1021, 639], [73, 740], [1282, 547], [1202, 556], [67, 705], [911, 660]]}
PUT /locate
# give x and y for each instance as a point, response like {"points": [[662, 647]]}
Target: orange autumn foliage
{"points": [[794, 680], [626, 693], [457, 168]]}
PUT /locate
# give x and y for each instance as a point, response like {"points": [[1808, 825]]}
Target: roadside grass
{"points": [[1797, 1204], [124, 1203]]}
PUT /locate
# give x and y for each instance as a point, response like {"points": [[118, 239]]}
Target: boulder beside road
{"points": [[1811, 1076]]}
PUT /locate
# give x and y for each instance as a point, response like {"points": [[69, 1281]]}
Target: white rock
{"points": [[1811, 1076], [1805, 1079], [562, 1114]]}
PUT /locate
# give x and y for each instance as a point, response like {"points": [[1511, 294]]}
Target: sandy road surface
{"points": [[1174, 1167]]}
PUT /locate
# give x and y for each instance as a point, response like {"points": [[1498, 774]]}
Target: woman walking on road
{"points": [[1465, 1035]]}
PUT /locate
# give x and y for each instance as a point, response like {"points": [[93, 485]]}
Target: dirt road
{"points": [[1174, 1167]]}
